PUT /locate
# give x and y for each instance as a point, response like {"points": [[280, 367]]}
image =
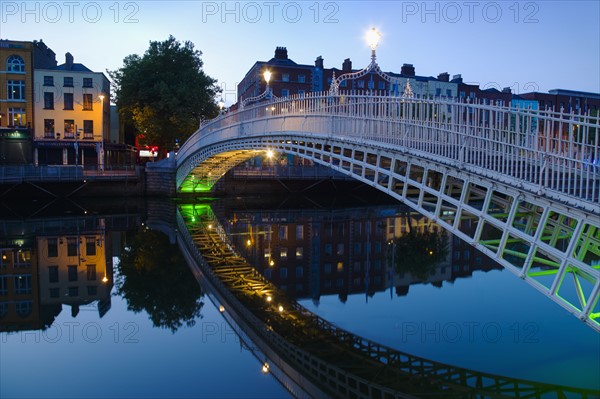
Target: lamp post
{"points": [[101, 152], [268, 93], [221, 105], [373, 37]]}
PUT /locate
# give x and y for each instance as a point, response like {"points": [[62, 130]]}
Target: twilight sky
{"points": [[527, 45]]}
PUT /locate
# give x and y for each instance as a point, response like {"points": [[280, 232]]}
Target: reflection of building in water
{"points": [[75, 270], [49, 265], [19, 294], [313, 253]]}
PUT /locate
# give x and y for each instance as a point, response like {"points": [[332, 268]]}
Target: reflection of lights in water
{"points": [[269, 298], [271, 263], [280, 308], [210, 226], [248, 243], [265, 368]]}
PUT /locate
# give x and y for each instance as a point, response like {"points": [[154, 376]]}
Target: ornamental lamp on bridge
{"points": [[221, 105], [268, 93]]}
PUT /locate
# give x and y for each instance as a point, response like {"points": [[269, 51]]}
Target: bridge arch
{"points": [[484, 173]]}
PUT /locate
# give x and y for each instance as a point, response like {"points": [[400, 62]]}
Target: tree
{"points": [[164, 93], [154, 277], [419, 252]]}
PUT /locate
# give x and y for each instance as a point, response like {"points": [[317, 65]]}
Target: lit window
{"points": [[15, 64], [299, 253], [283, 253], [88, 133], [17, 117], [340, 266], [23, 284]]}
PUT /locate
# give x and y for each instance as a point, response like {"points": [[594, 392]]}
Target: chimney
{"points": [[281, 53], [506, 90], [68, 61], [347, 65], [444, 77], [319, 62], [457, 78], [408, 70]]}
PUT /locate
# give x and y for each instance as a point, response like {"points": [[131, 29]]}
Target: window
{"points": [[301, 93], [68, 81], [91, 272], [283, 232], [3, 285], [53, 274], [283, 253], [72, 272], [381, 86], [48, 80], [24, 308], [68, 101], [340, 249], [299, 271], [378, 247], [90, 242], [49, 128], [285, 77], [52, 247], [299, 232], [88, 133], [87, 82], [17, 117], [462, 94], [361, 84], [448, 92], [327, 249], [299, 253], [267, 252], [87, 102], [371, 84], [327, 268], [54, 292], [23, 284], [301, 78], [3, 309], [48, 100], [357, 248], [283, 272], [340, 267], [73, 291], [72, 246], [15, 89], [15, 64], [92, 290], [438, 92], [285, 93], [69, 128]]}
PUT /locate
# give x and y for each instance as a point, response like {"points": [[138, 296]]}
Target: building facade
{"points": [[72, 115], [16, 101]]}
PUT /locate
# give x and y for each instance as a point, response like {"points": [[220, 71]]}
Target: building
{"points": [[290, 78], [16, 101], [561, 100], [72, 115]]}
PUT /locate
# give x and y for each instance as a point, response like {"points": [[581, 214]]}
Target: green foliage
{"points": [[418, 253], [154, 277], [164, 93]]}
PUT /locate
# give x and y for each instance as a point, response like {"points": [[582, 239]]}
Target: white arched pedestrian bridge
{"points": [[521, 185]]}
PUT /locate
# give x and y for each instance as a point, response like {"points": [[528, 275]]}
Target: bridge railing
{"points": [[546, 152]]}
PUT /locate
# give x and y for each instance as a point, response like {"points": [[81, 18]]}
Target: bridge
{"points": [[312, 357], [521, 185]]}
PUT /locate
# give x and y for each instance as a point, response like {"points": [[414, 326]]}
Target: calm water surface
{"points": [[147, 330]]}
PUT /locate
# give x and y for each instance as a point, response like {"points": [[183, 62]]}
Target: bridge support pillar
{"points": [[160, 178]]}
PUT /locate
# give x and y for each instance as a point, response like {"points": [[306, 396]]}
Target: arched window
{"points": [[15, 64]]}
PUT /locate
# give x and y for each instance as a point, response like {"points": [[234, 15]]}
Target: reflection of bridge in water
{"points": [[315, 357]]}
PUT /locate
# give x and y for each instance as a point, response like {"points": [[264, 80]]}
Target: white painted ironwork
{"points": [[527, 180]]}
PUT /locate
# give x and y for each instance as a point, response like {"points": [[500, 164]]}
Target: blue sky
{"points": [[527, 45]]}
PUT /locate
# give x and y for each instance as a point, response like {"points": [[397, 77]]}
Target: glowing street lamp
{"points": [[268, 94], [221, 105], [373, 37]]}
